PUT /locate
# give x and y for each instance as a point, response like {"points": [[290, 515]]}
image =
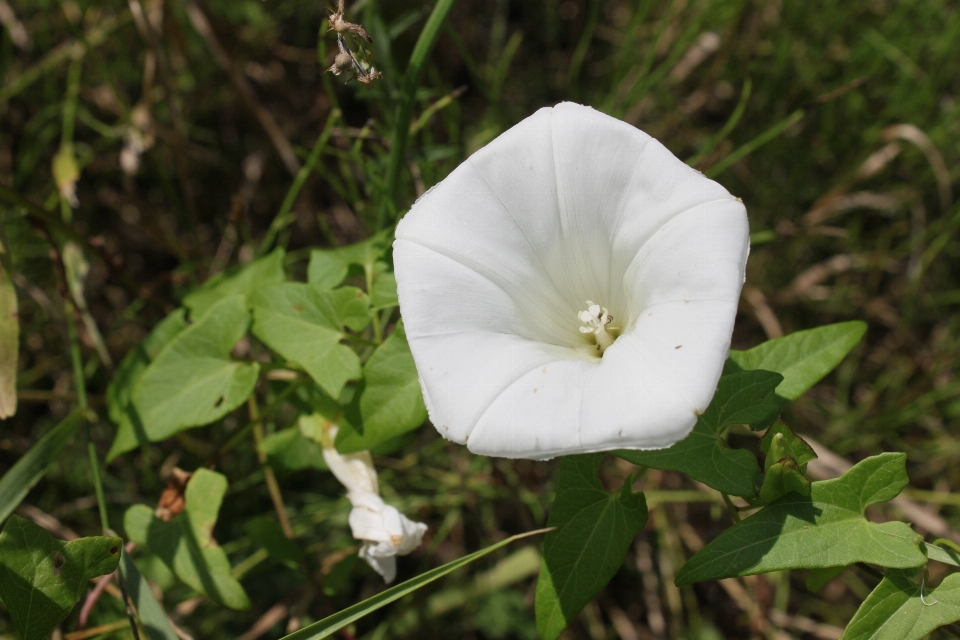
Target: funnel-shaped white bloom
{"points": [[570, 288], [385, 532]]}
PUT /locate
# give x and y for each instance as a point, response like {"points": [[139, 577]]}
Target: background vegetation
{"points": [[838, 124]]}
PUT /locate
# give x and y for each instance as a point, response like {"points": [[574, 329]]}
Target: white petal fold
{"points": [[385, 532], [496, 262]]}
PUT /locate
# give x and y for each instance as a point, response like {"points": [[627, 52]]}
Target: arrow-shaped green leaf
{"points": [[389, 402], [594, 531], [704, 455], [825, 529], [804, 357], [895, 610]]}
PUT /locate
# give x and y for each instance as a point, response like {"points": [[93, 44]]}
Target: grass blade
{"points": [[727, 128], [283, 216], [754, 144], [151, 614], [330, 625], [401, 123], [17, 482]]}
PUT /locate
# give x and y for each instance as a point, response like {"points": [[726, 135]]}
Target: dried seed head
{"points": [[343, 62]]}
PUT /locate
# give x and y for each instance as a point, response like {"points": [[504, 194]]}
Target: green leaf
{"points": [[326, 269], [304, 324], [804, 357], [9, 342], [594, 531], [268, 533], [384, 293], [946, 556], [329, 267], [330, 625], [389, 400], [781, 478], [41, 578], [152, 617], [17, 482], [289, 450], [704, 455], [242, 280], [130, 431], [818, 578], [185, 543], [895, 610], [825, 529], [780, 442], [193, 381]]}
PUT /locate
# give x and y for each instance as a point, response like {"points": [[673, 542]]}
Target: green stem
{"points": [[52, 60], [283, 217], [70, 100], [733, 508], [273, 487], [401, 122], [75, 356], [236, 438], [377, 329], [98, 487]]}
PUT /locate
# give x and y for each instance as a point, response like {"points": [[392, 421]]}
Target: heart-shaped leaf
{"points": [[304, 324], [193, 381], [130, 431], [42, 578]]}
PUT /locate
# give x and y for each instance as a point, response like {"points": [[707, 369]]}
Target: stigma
{"points": [[596, 318]]}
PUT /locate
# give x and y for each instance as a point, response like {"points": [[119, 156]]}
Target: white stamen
{"points": [[596, 319]]}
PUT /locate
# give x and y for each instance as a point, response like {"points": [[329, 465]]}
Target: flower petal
{"points": [[495, 263], [355, 471], [386, 566]]}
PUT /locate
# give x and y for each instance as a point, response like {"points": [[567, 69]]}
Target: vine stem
{"points": [[272, 485], [732, 507]]}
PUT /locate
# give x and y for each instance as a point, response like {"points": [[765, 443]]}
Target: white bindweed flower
{"points": [[385, 532], [570, 288]]}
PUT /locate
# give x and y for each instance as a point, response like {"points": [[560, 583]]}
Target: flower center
{"points": [[596, 319]]}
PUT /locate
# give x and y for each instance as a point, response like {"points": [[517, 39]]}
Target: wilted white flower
{"points": [[570, 288], [385, 532]]}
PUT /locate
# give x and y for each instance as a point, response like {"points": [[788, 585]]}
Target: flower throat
{"points": [[597, 319]]}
